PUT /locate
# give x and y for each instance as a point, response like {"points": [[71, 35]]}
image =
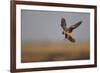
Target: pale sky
{"points": [[45, 25]]}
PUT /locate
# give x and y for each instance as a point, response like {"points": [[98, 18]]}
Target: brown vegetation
{"points": [[54, 51]]}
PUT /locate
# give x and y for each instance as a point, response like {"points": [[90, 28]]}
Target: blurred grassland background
{"points": [[42, 39], [54, 51]]}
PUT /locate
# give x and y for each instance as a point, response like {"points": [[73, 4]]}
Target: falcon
{"points": [[67, 31]]}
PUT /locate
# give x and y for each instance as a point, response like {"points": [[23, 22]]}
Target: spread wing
{"points": [[74, 26], [63, 23]]}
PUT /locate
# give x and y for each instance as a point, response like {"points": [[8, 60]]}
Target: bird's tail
{"points": [[70, 38]]}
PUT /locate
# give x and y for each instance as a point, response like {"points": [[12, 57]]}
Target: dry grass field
{"points": [[54, 51]]}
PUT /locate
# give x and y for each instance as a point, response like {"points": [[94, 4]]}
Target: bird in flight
{"points": [[67, 31]]}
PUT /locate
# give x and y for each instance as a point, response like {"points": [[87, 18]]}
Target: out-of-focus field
{"points": [[54, 51]]}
